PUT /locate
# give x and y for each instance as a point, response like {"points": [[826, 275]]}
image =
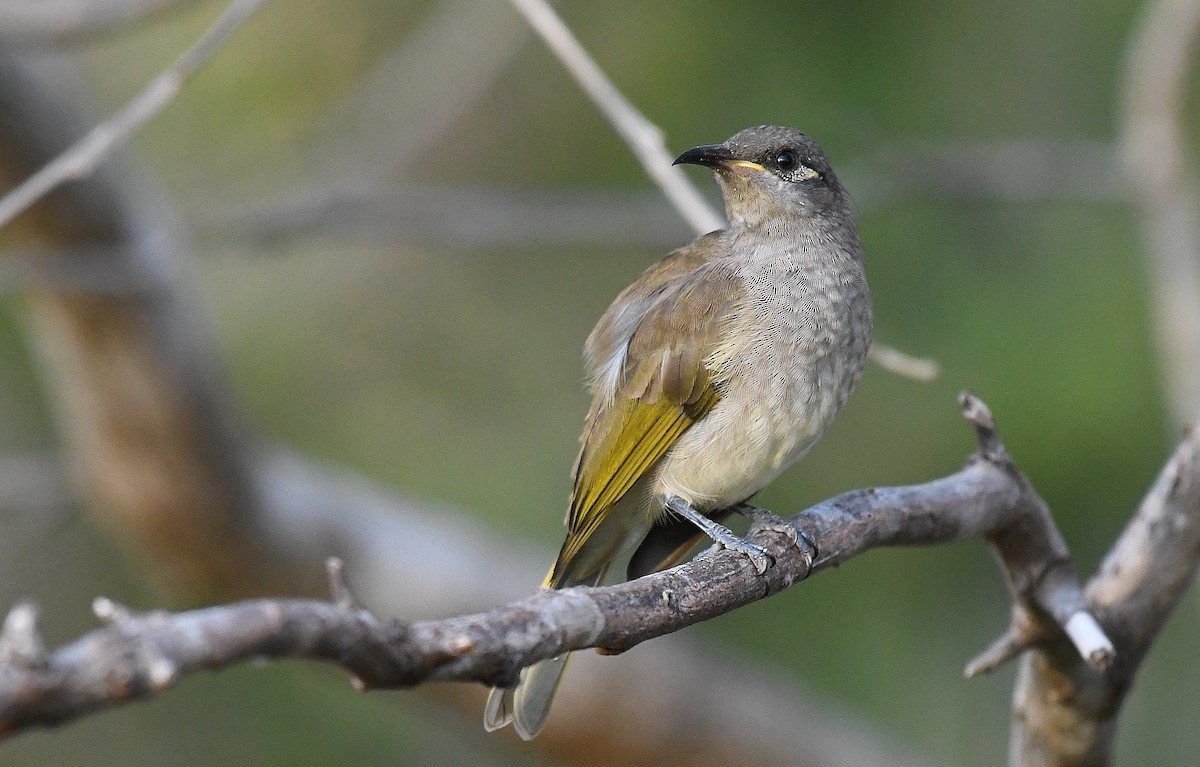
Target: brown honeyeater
{"points": [[713, 372]]}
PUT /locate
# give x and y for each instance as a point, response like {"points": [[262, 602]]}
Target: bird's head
{"points": [[771, 172]]}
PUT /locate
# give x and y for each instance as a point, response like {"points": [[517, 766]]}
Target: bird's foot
{"points": [[723, 536], [763, 519]]}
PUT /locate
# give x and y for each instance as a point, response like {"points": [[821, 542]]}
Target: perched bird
{"points": [[711, 374]]}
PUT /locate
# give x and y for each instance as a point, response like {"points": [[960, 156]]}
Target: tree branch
{"points": [[140, 655], [361, 205], [1153, 562], [427, 213]]}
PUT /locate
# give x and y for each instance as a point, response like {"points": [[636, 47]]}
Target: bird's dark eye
{"points": [[786, 160]]}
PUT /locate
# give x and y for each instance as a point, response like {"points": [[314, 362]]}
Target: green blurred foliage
{"points": [[455, 374]]}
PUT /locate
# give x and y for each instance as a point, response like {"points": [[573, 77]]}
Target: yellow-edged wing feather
{"points": [[667, 322], [646, 358], [647, 430]]}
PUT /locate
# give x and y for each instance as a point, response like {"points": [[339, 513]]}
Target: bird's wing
{"points": [[629, 309], [662, 386]]}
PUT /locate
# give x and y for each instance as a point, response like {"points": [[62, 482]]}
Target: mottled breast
{"points": [[792, 352]]}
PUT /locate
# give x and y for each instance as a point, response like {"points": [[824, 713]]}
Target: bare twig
{"points": [[642, 136], [82, 158], [145, 654], [141, 655], [1039, 567], [1167, 190], [901, 363], [1019, 637], [24, 21]]}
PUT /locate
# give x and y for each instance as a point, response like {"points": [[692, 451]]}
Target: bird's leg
{"points": [[764, 519], [721, 534]]}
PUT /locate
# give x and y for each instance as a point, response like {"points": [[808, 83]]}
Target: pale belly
{"points": [[758, 429], [799, 361]]}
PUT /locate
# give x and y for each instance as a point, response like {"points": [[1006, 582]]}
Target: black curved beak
{"points": [[711, 156], [718, 157]]}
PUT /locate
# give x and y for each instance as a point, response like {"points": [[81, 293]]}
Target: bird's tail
{"points": [[527, 705]]}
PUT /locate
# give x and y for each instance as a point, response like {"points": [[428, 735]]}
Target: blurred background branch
{"points": [[363, 208], [57, 20], [397, 112], [1159, 64], [82, 158]]}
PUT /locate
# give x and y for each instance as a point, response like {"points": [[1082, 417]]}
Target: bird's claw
{"points": [[723, 536], [757, 555], [763, 519]]}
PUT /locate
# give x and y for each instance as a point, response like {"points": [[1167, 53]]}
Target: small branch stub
{"points": [[977, 413], [339, 587], [161, 672], [111, 612], [893, 360], [1093, 644], [21, 637], [1011, 644]]}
